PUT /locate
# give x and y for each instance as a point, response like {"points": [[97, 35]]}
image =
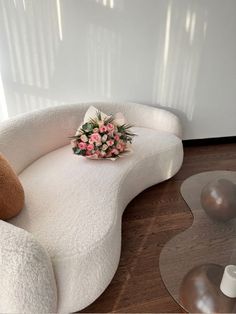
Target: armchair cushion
{"points": [[11, 191], [27, 283]]}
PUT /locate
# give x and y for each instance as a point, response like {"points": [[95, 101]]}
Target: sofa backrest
{"points": [[26, 137]]}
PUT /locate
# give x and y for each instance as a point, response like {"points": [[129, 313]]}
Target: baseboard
{"points": [[210, 141]]}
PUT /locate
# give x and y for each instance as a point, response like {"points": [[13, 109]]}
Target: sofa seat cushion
{"points": [[71, 202]]}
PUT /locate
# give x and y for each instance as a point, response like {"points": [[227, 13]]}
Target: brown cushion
{"points": [[11, 191]]}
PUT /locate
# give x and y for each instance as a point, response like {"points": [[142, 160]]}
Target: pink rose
{"points": [[115, 151], [95, 155], [82, 145], [116, 137], [123, 145], [103, 154], [109, 155], [110, 127], [119, 146], [103, 129], [110, 142], [90, 147], [95, 137], [88, 153], [121, 141]]}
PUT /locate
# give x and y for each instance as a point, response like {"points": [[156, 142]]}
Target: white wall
{"points": [[175, 53]]}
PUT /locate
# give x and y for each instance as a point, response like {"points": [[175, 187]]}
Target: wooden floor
{"points": [[149, 221]]}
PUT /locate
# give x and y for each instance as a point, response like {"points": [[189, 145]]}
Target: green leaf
{"points": [[99, 115], [109, 120], [77, 151]]}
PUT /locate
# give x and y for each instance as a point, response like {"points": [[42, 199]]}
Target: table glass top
{"points": [[192, 263]]}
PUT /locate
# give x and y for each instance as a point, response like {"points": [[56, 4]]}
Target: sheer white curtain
{"points": [[30, 37], [3, 105]]}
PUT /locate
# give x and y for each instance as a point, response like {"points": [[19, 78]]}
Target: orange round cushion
{"points": [[11, 191]]}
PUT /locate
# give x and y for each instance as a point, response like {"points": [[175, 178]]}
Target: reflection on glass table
{"points": [[192, 263]]}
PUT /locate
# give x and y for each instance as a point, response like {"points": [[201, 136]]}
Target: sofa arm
{"points": [[157, 118], [168, 121], [27, 280]]}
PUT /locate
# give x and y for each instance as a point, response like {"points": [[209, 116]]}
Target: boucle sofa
{"points": [[70, 247]]}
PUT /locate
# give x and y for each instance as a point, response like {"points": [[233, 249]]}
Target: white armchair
{"points": [[27, 279]]}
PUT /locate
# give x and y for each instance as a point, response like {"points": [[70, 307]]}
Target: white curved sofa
{"points": [[74, 205]]}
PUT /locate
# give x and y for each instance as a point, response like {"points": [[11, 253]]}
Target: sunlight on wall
{"points": [[106, 3], [33, 31], [178, 54], [59, 19], [167, 36], [176, 77], [3, 104], [103, 62]]}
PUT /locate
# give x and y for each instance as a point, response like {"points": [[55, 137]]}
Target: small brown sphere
{"points": [[218, 199], [200, 291]]}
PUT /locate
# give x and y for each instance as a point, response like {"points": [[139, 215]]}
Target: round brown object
{"points": [[200, 291], [11, 191], [218, 199]]}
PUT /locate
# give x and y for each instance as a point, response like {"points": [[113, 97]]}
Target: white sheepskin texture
{"points": [[74, 205], [39, 132], [27, 283]]}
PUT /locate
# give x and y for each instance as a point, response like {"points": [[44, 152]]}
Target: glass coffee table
{"points": [[192, 263]]}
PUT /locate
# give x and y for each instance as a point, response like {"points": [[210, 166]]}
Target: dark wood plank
{"points": [[149, 221]]}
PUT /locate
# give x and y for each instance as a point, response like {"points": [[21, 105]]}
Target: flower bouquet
{"points": [[102, 136]]}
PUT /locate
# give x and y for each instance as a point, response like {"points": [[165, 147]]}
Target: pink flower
{"points": [[103, 154], [115, 151], [119, 146], [121, 141], [82, 145], [103, 129], [116, 137], [110, 142], [109, 155], [90, 147], [95, 137], [95, 155], [88, 153], [110, 127], [122, 146]]}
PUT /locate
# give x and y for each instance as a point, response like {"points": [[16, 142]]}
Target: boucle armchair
{"points": [[73, 206]]}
